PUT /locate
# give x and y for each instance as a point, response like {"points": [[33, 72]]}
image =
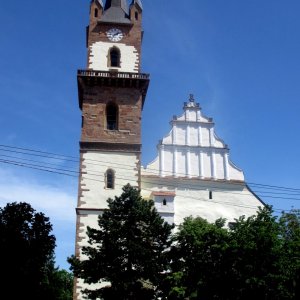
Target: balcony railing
{"points": [[112, 74]]}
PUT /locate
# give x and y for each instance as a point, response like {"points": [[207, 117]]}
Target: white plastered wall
{"points": [[230, 200], [98, 59], [86, 218], [96, 164], [94, 195]]}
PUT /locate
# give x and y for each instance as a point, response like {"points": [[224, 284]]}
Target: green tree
{"points": [[255, 256], [59, 284], [259, 257], [290, 261], [128, 249], [26, 250], [197, 260]]}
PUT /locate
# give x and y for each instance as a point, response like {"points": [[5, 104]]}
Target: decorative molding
{"points": [[110, 147]]}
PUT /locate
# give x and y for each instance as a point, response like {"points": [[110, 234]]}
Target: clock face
{"points": [[114, 34]]}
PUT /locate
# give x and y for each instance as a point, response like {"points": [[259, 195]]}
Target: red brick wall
{"points": [[129, 102]]}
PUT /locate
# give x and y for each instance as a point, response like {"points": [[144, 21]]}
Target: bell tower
{"points": [[112, 92]]}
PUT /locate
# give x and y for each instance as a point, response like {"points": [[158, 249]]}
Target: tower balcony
{"points": [[94, 78]]}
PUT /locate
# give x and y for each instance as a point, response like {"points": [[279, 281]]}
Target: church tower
{"points": [[112, 91]]}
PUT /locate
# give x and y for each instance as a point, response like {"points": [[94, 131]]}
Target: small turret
{"points": [[135, 11], [96, 10], [137, 2]]}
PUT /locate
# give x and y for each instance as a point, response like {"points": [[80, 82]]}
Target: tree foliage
{"points": [[257, 258], [133, 254], [59, 284], [26, 250], [197, 244], [27, 256], [128, 249]]}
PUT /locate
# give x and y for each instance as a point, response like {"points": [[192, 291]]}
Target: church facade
{"points": [[192, 174]]}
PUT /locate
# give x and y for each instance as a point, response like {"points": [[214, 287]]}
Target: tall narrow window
{"points": [[164, 202], [112, 116], [210, 195], [136, 15], [110, 179], [96, 13], [114, 57]]}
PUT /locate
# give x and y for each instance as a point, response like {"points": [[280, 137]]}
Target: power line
{"points": [[102, 181], [76, 159], [262, 193], [203, 187], [211, 186], [57, 171], [36, 168]]}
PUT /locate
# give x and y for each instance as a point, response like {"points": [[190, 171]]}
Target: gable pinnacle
{"points": [[191, 103]]}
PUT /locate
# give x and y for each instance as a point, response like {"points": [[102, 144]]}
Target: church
{"points": [[192, 173]]}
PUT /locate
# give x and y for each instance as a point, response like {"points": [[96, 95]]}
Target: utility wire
{"points": [[76, 159], [62, 172], [98, 174], [294, 193], [75, 176]]}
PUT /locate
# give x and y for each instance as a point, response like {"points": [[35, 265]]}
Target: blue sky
{"points": [[241, 60]]}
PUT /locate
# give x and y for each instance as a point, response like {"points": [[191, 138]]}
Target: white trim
{"points": [[161, 160]]}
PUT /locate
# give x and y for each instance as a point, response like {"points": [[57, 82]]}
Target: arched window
{"points": [[111, 116], [164, 202], [110, 179], [114, 57], [136, 14], [210, 195], [96, 13]]}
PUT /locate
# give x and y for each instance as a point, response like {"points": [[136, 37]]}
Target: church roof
{"points": [[116, 11]]}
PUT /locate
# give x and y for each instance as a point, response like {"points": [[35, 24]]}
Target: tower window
{"points": [[114, 57], [210, 195], [164, 202], [111, 117], [96, 13], [110, 179], [136, 15]]}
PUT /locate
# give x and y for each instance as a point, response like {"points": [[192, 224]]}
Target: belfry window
{"points": [[164, 202], [114, 57], [111, 117], [110, 179], [96, 13]]}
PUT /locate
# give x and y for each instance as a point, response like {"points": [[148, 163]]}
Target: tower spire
{"points": [[116, 11], [116, 3]]}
